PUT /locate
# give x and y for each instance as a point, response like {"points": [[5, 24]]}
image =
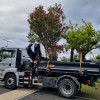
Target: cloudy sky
{"points": [[14, 15]]}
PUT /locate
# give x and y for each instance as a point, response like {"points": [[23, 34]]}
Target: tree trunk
{"points": [[46, 51], [71, 55], [81, 63], [55, 55], [52, 54], [83, 57]]}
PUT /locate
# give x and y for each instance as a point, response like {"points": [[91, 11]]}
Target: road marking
{"points": [[25, 95], [16, 94]]}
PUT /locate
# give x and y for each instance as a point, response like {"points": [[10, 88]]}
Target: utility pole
{"points": [[7, 42]]}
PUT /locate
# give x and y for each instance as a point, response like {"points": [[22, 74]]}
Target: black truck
{"points": [[25, 67]]}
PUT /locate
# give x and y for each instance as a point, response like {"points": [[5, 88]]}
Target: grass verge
{"points": [[1, 83], [90, 92], [98, 81]]}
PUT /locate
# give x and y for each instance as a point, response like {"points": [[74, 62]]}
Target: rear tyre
{"points": [[10, 81], [67, 88]]}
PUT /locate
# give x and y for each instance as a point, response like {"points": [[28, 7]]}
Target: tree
{"points": [[64, 59], [91, 37], [98, 57], [47, 27], [0, 48], [76, 57], [83, 39], [72, 30], [95, 58]]}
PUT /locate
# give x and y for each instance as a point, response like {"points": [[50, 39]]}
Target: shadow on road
{"points": [[3, 89], [42, 93], [47, 93]]}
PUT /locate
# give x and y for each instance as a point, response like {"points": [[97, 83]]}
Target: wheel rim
{"points": [[66, 88], [10, 81]]}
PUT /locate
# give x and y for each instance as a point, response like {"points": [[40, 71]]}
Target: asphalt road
{"points": [[16, 94], [3, 89], [47, 94], [40, 94]]}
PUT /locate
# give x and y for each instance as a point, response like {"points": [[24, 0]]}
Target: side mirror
{"points": [[0, 55], [0, 58]]}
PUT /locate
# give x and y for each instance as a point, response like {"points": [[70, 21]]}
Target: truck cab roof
{"points": [[11, 48]]}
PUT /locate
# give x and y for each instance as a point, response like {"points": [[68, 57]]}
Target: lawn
{"points": [[1, 83], [86, 92], [98, 81], [90, 92]]}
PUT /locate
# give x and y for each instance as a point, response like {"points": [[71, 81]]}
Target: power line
{"points": [[7, 42]]}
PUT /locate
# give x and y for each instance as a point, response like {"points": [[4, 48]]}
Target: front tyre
{"points": [[10, 81], [67, 88]]}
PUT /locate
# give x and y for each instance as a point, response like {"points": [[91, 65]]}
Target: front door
{"points": [[8, 59]]}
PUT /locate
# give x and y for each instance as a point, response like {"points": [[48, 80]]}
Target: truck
{"points": [[25, 67]]}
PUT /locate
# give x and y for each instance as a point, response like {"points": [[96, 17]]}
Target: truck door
{"points": [[8, 59]]}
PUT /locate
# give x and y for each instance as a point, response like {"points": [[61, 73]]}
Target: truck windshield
{"points": [[24, 53], [8, 53]]}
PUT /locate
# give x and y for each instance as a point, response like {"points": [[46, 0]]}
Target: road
{"points": [[48, 94], [7, 94], [32, 93], [3, 89]]}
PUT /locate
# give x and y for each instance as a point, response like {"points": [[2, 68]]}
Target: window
{"points": [[8, 53]]}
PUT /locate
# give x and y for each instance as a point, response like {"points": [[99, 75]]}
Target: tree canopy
{"points": [[47, 27], [82, 38], [72, 30], [98, 57]]}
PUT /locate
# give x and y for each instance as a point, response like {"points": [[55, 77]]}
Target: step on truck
{"points": [[23, 67]]}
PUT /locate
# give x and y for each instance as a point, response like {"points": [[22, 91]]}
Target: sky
{"points": [[14, 14]]}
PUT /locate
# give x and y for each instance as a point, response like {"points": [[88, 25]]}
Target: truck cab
{"points": [[17, 64], [7, 59], [11, 62]]}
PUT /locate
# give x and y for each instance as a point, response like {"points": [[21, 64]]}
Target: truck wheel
{"points": [[10, 81], [67, 88]]}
